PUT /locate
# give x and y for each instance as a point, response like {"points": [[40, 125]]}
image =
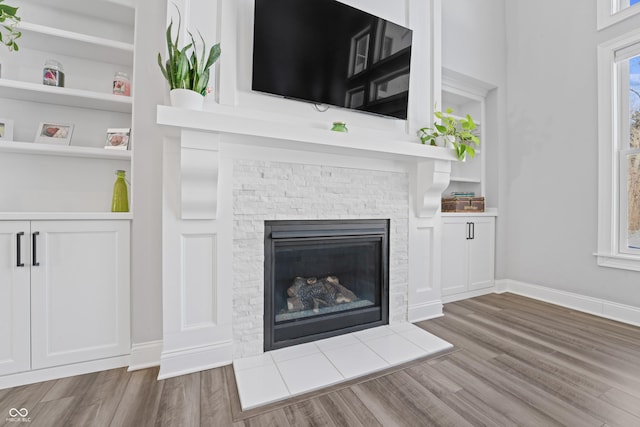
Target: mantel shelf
{"points": [[281, 134]]}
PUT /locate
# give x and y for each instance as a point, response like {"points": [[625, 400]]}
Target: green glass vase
{"points": [[339, 127], [120, 201]]}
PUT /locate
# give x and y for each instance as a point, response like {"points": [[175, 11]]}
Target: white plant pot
{"points": [[186, 98]]}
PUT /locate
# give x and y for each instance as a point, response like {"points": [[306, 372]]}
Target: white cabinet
{"points": [[468, 251], [69, 303], [14, 297]]}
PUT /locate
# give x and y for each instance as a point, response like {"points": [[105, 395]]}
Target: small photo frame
{"points": [[54, 133], [118, 139], [6, 129]]}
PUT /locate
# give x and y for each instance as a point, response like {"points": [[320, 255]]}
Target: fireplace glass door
{"points": [[324, 278]]}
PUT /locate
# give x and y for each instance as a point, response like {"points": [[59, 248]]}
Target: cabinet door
{"points": [[14, 297], [482, 253], [454, 255], [80, 291]]}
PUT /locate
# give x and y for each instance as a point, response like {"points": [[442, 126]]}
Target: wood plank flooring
{"points": [[516, 361]]}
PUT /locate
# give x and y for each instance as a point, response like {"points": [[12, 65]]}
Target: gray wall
{"points": [[552, 151]]}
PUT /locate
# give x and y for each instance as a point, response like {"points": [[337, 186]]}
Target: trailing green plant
{"points": [[457, 132], [183, 69], [8, 22]]}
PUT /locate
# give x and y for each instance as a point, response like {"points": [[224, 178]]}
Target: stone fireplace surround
{"points": [[223, 177], [264, 190]]}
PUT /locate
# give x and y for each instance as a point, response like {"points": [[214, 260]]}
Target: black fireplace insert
{"points": [[324, 278]]}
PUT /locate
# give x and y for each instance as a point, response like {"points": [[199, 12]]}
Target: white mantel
{"points": [[198, 215]]}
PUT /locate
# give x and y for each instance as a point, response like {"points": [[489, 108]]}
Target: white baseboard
{"points": [[145, 355], [596, 306], [469, 294], [39, 375], [186, 361], [424, 311]]}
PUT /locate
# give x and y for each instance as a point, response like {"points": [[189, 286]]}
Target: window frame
{"points": [[611, 119]]}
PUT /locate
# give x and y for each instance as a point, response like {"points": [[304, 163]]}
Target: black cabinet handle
{"points": [[468, 231], [19, 262], [473, 230], [34, 257]]}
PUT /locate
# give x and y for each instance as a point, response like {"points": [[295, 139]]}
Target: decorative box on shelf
{"points": [[463, 204]]}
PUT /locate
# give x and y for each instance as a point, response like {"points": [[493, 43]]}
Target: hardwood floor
{"points": [[516, 361]]}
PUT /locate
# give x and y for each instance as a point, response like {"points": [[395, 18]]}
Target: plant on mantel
{"points": [[183, 69], [8, 22], [457, 132]]}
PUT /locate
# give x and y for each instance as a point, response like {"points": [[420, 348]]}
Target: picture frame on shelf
{"points": [[118, 139], [6, 129], [54, 133]]}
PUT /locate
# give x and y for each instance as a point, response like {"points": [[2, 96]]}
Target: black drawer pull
{"points": [[19, 262], [34, 257]]}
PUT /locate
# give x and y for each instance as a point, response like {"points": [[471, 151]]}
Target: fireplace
{"points": [[324, 278]]}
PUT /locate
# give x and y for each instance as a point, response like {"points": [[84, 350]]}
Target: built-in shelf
{"points": [[118, 11], [37, 92], [50, 39], [73, 216], [487, 212], [465, 179], [284, 134], [63, 150]]}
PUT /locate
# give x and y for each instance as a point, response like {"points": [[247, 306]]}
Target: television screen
{"points": [[326, 52]]}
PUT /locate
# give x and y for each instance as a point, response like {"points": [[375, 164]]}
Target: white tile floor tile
{"points": [[395, 349], [295, 370], [308, 373], [294, 352], [253, 362], [356, 360], [366, 334], [335, 342], [260, 385], [428, 342], [402, 327]]}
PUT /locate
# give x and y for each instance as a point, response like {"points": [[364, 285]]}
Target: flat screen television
{"points": [[326, 52]]}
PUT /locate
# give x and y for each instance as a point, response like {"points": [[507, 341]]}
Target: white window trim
{"points": [[613, 11], [608, 253]]}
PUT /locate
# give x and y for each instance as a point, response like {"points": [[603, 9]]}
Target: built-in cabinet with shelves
{"points": [[468, 240], [64, 292], [64, 256], [468, 251]]}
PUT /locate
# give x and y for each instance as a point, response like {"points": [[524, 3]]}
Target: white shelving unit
{"points": [[92, 40], [59, 196]]}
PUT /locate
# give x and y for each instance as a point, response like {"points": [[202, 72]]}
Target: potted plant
{"points": [[8, 22], [188, 75], [457, 132]]}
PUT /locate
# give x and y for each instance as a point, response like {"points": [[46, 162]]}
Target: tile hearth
{"points": [[284, 373]]}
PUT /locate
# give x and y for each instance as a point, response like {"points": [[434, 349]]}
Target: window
{"points": [[359, 56], [613, 11], [619, 152]]}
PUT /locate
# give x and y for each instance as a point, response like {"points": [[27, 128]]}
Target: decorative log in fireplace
{"points": [[324, 278]]}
